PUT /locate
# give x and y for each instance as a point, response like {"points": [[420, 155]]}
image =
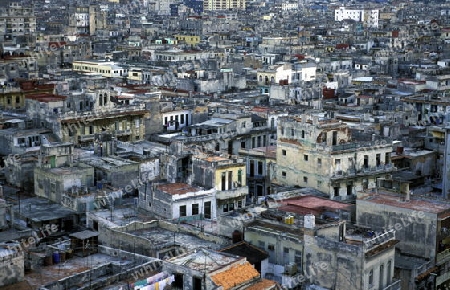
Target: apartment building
{"points": [[226, 175], [321, 153], [369, 17], [212, 5], [17, 20]]}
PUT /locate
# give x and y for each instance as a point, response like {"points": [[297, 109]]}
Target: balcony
{"points": [[382, 168], [123, 132], [395, 285], [86, 137], [235, 192], [443, 256]]}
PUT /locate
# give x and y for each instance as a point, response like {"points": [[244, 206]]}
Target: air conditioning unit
{"points": [[290, 269]]}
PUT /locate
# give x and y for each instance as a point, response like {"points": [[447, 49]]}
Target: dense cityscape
{"points": [[224, 145]]}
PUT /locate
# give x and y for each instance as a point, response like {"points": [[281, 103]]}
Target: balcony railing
{"points": [[443, 256], [232, 193], [395, 285], [86, 137], [363, 171]]}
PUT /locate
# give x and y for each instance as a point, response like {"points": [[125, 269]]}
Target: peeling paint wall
{"points": [[51, 183], [417, 235], [326, 158], [11, 269]]}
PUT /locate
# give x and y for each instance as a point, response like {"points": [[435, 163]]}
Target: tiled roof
{"points": [[263, 285], [236, 275]]}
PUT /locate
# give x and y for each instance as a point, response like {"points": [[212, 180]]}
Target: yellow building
{"points": [[188, 39], [13, 98], [105, 68], [125, 125], [227, 176]]}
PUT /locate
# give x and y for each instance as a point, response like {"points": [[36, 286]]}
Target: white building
{"points": [[369, 17], [179, 201], [176, 120], [289, 6]]}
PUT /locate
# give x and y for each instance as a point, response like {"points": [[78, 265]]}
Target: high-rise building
{"points": [[367, 16], [16, 20], [210, 5]]}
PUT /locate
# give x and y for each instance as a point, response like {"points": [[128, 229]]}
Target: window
{"points": [[298, 260], [225, 207], [260, 168], [243, 124], [336, 190], [370, 278], [182, 210], [319, 161], [262, 244], [283, 152], [334, 140], [239, 204], [381, 284], [270, 247], [337, 161], [303, 133], [283, 174], [195, 208], [223, 184], [388, 273], [182, 119], [243, 144], [305, 157], [305, 179], [292, 132]]}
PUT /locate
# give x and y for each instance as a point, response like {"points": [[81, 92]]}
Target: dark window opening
{"points": [[183, 210]]}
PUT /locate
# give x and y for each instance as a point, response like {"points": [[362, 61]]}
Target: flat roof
{"points": [[46, 98], [177, 188], [316, 203], [205, 260], [397, 200], [39, 209]]}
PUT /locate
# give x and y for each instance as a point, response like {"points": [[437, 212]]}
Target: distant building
{"points": [[18, 21], [368, 17], [211, 5], [195, 5]]}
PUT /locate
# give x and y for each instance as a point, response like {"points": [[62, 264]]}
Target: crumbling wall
{"points": [[11, 269], [417, 232]]}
